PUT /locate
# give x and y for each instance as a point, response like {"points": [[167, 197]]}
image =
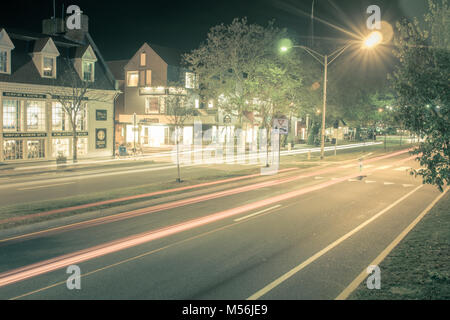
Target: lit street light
{"points": [[374, 39]]}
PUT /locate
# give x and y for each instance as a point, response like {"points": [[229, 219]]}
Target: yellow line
{"points": [[352, 286], [319, 254]]}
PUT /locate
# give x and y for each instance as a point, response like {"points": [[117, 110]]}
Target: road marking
{"points": [[353, 180], [384, 168], [257, 213], [368, 166], [388, 183], [349, 166], [47, 186], [319, 178], [355, 283], [408, 185], [402, 169], [319, 254], [368, 181]]}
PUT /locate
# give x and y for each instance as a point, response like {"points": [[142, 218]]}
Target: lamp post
{"points": [[371, 41]]}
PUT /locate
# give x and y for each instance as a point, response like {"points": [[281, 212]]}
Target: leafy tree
{"points": [[421, 84]]}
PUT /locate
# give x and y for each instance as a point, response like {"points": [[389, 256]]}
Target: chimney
{"points": [[53, 26], [78, 35]]}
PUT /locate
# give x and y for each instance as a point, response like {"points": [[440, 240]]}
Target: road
{"points": [[300, 235]]}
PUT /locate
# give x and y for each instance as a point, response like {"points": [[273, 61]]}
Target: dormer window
{"points": [[6, 46], [143, 59], [49, 67], [88, 71]]}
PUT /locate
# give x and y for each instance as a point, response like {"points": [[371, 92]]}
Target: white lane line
{"points": [[408, 185], [47, 186], [402, 169], [353, 180], [384, 168], [378, 260], [257, 213], [389, 183], [319, 254], [368, 181]]}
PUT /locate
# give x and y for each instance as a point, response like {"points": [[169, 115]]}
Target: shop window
{"points": [[60, 118], [11, 115], [81, 119], [13, 150], [82, 146], [35, 116], [36, 149], [61, 147]]}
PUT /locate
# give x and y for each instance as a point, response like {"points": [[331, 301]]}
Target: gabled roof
{"points": [[45, 45], [5, 41], [85, 52]]}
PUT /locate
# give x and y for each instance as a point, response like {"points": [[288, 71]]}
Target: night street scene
{"points": [[232, 158]]}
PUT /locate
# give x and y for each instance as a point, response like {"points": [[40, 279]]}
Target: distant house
{"points": [[146, 79], [32, 65]]}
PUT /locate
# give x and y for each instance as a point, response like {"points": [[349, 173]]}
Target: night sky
{"points": [[120, 27]]}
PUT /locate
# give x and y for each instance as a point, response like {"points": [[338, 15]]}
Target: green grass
{"points": [[419, 267]]}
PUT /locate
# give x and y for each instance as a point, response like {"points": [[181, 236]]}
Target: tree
{"points": [[73, 94], [178, 111], [421, 85]]}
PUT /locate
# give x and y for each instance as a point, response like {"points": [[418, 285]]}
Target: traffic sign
{"points": [[282, 126]]}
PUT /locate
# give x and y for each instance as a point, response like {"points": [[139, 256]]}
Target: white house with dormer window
{"points": [[44, 56]]}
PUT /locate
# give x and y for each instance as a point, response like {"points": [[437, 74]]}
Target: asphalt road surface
{"points": [[303, 234]]}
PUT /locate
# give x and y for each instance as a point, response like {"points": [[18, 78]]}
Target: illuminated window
{"points": [[88, 71], [82, 146], [151, 105], [13, 150], [148, 78], [60, 118], [190, 80], [142, 78], [36, 149], [133, 78], [143, 59], [49, 67], [81, 119], [35, 115], [11, 115], [3, 61], [61, 147]]}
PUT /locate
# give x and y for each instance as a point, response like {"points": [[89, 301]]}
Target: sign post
{"points": [[280, 127]]}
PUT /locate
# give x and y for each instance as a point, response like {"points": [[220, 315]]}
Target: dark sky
{"points": [[120, 27]]}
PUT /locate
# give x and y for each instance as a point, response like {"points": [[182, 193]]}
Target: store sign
{"points": [[24, 95], [149, 120], [24, 135], [100, 138], [101, 115], [58, 97], [69, 134]]}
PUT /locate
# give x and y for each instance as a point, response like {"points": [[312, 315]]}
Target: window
{"points": [[82, 146], [190, 80], [148, 78], [36, 149], [60, 118], [88, 71], [81, 119], [132, 78], [143, 59], [142, 78], [151, 105], [49, 67], [3, 61], [13, 150], [61, 147], [35, 115], [11, 115]]}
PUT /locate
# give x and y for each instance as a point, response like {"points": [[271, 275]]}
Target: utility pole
{"points": [[324, 112]]}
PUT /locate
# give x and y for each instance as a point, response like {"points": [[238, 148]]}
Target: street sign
{"points": [[282, 126]]}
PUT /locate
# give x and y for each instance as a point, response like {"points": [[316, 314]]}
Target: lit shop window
{"points": [[61, 147], [35, 115], [60, 118], [132, 79], [11, 115], [36, 149], [82, 146], [49, 67], [13, 150], [81, 119]]}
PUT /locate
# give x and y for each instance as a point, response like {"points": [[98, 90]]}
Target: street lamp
{"points": [[372, 40]]}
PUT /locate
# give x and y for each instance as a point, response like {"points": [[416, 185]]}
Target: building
{"points": [[146, 79], [34, 68]]}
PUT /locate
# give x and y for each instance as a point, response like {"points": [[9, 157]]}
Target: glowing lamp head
{"points": [[374, 39], [284, 49]]}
